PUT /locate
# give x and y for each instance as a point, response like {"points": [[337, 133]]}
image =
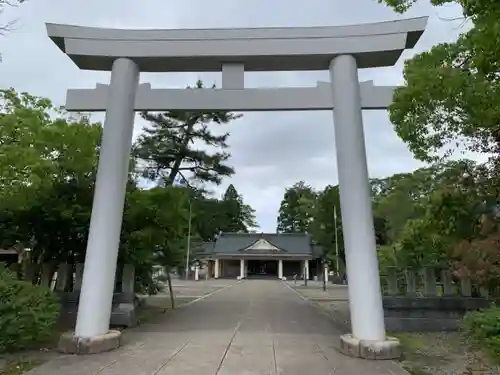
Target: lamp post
{"points": [[323, 262], [336, 241], [188, 247]]}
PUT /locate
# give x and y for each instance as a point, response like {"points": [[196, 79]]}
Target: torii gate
{"points": [[342, 50]]}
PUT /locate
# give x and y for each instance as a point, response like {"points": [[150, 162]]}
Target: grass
{"points": [[410, 341], [416, 371], [436, 353], [413, 344], [148, 313], [18, 367]]}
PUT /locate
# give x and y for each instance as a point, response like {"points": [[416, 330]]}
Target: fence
{"points": [[430, 299], [66, 281]]}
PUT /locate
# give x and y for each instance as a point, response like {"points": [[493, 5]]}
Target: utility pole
{"points": [[336, 241], [188, 247]]}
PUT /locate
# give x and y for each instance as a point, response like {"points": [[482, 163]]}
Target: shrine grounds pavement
{"points": [[251, 327]]}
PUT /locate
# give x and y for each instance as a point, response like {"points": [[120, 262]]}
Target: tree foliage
{"points": [[48, 163], [169, 148], [296, 211], [397, 199], [454, 224], [155, 232], [47, 171], [238, 216], [446, 214], [28, 314], [318, 212], [451, 93], [327, 225]]}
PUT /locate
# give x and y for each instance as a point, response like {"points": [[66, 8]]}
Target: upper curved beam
{"points": [[262, 49]]}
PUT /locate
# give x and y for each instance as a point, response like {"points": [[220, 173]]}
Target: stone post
{"points": [[62, 277], [411, 282], [242, 268], [78, 276], [465, 287], [216, 269], [128, 279], [448, 288], [430, 287], [392, 281], [47, 274], [280, 269]]}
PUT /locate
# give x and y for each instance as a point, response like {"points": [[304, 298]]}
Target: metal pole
{"points": [[336, 241], [324, 272], [188, 242]]}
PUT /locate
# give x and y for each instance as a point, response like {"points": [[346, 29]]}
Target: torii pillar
{"points": [[341, 49]]}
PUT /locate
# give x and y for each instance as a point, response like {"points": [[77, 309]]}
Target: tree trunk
{"points": [[170, 289], [180, 157]]}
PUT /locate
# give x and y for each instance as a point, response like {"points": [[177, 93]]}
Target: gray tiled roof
{"points": [[234, 243], [204, 248]]}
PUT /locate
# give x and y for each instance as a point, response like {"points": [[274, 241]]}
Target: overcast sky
{"points": [[270, 151]]}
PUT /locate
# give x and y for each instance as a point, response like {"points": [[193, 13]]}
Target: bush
{"points": [[481, 329], [28, 313]]}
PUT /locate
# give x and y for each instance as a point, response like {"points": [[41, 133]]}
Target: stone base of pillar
{"points": [[390, 348], [71, 344]]}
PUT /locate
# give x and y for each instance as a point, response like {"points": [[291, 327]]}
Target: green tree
{"points": [[420, 245], [238, 216], [327, 224], [170, 146], [451, 92], [398, 198], [297, 209], [459, 226], [208, 217], [381, 230], [155, 231], [47, 170]]}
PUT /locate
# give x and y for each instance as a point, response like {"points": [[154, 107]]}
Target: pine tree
{"points": [[169, 149], [238, 216]]}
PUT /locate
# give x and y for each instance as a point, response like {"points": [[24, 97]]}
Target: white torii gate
{"points": [[342, 50]]}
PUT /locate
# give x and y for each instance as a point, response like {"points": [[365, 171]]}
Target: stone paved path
{"points": [[253, 327]]}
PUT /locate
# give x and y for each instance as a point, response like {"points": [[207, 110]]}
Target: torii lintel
{"points": [[241, 100]]}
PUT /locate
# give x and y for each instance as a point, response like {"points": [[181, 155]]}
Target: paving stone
{"points": [[253, 327]]}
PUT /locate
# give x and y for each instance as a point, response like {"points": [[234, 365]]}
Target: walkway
{"points": [[253, 327]]}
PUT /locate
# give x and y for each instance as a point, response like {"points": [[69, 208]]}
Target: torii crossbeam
{"points": [[242, 100], [341, 50]]}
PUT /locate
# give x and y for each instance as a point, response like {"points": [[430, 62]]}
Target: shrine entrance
{"points": [[262, 269], [341, 50]]}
